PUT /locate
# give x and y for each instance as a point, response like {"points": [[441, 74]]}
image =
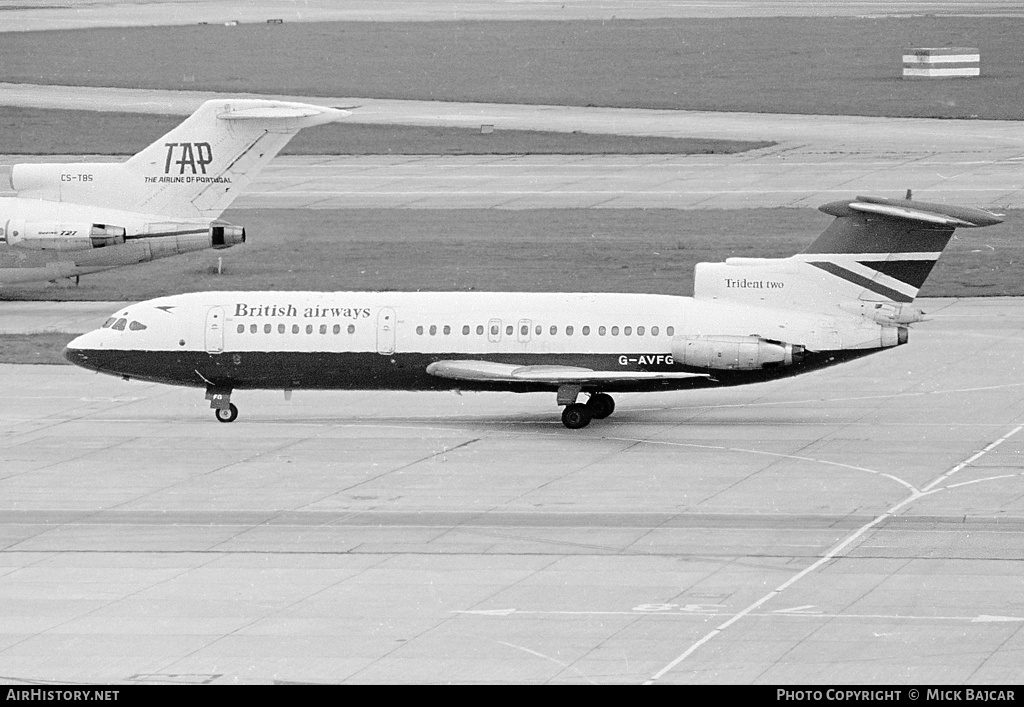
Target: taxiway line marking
{"points": [[970, 460], [831, 554], [780, 455]]}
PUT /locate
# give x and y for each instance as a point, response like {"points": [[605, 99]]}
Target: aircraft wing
{"points": [[556, 375]]}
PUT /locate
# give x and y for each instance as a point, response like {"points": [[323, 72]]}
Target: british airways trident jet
{"points": [[849, 294]]}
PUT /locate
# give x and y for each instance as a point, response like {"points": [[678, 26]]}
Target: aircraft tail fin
{"points": [[198, 168], [876, 250], [193, 172], [888, 247]]}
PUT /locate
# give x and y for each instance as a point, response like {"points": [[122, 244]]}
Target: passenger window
{"points": [[639, 331], [600, 331], [419, 330], [586, 331], [615, 331], [253, 328], [554, 330], [494, 329], [136, 326], [433, 329], [670, 331], [280, 328], [323, 328], [267, 328], [539, 329], [626, 331], [480, 330], [447, 330], [568, 331], [309, 328], [351, 328], [119, 324], [524, 330], [508, 330], [241, 328], [654, 331], [465, 330], [106, 324], [295, 328], [337, 328]]}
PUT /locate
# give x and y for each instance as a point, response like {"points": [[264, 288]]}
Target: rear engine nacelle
{"points": [[224, 235], [40, 235], [893, 336], [885, 312], [737, 353]]}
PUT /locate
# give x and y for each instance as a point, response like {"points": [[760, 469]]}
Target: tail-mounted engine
{"points": [[737, 353], [885, 313], [224, 235], [39, 235]]}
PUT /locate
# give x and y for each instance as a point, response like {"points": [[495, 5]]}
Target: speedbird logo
{"points": [[194, 155]]}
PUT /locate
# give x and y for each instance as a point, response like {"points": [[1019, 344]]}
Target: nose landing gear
{"points": [[226, 414], [220, 400]]}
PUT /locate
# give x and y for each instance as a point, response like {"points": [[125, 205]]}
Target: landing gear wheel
{"points": [[227, 415], [601, 405], [576, 416]]}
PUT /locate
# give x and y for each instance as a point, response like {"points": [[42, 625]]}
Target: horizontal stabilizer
{"points": [[488, 371], [909, 210], [281, 110]]}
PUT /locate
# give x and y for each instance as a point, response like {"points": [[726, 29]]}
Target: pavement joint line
{"points": [[799, 612], [105, 605], [271, 612], [831, 554]]}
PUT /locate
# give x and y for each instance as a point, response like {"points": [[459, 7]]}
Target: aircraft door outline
{"points": [[494, 331], [215, 330], [523, 330], [386, 331]]}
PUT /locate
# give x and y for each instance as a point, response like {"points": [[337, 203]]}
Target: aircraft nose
{"points": [[77, 350], [75, 356]]}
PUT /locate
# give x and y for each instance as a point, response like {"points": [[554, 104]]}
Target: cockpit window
{"points": [[119, 324], [136, 326], [106, 324]]}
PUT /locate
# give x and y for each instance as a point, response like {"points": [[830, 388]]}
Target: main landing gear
{"points": [[578, 415], [220, 400]]}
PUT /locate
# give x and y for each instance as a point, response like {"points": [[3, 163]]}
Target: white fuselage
{"points": [[367, 340]]}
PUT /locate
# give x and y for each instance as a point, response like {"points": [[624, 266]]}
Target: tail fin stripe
{"points": [[911, 272], [861, 281]]}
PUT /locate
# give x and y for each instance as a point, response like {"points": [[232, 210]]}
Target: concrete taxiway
{"points": [[763, 178], [816, 158], [863, 524], [54, 14], [858, 525]]}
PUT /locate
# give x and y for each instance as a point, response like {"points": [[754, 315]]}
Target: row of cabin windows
{"points": [[296, 329], [524, 330]]}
